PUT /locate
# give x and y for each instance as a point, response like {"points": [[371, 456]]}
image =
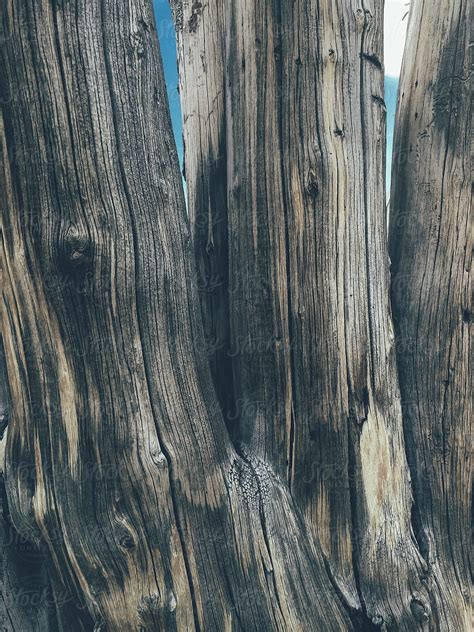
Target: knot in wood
{"points": [[360, 18], [171, 601], [420, 610], [150, 607], [76, 248], [126, 540], [137, 43], [158, 458], [312, 187], [372, 59], [196, 11], [377, 620]]}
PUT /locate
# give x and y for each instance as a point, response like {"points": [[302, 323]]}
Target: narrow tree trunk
{"points": [[431, 250], [133, 487]]}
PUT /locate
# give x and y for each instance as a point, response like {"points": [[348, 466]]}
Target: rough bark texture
{"points": [[118, 461], [431, 250], [119, 465], [26, 601], [312, 346]]}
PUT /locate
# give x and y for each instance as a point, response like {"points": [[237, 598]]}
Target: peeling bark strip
{"points": [[431, 249], [118, 462]]}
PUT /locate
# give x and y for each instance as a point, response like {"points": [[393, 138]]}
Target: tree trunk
{"points": [[132, 484], [201, 58], [262, 483], [431, 249], [314, 376]]}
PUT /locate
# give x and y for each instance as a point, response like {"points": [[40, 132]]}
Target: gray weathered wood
{"points": [[133, 487], [431, 250], [312, 345], [267, 489], [200, 30], [27, 602]]}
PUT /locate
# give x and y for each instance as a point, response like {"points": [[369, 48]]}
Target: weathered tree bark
{"points": [[26, 601], [119, 466], [431, 250], [312, 347], [29, 602], [134, 488]]}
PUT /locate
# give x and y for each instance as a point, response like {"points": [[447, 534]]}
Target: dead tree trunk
{"points": [[431, 250], [133, 486], [119, 464], [311, 341], [201, 53]]}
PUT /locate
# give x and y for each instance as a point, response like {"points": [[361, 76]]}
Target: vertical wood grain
{"points": [[431, 250], [132, 487]]}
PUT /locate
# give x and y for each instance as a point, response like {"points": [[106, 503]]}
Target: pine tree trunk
{"points": [[431, 250], [249, 474]]}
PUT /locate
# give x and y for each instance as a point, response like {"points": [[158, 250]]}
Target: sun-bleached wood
{"points": [[200, 34], [267, 489]]}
